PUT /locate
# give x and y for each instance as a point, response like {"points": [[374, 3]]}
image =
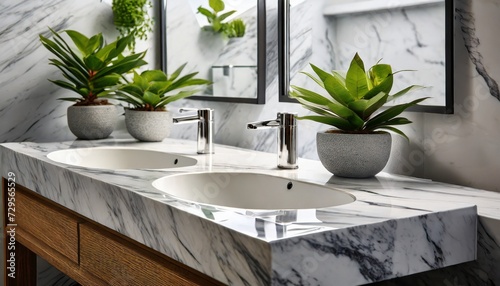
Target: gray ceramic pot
{"points": [[354, 155], [148, 126], [92, 122]]}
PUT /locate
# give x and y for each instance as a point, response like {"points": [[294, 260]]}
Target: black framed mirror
{"points": [[235, 64], [409, 35]]}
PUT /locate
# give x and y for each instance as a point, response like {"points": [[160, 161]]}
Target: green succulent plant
{"points": [[354, 98], [131, 18], [93, 69], [233, 29], [148, 90]]}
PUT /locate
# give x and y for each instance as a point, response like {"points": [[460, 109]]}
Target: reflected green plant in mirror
{"points": [[233, 29], [354, 97], [149, 90]]}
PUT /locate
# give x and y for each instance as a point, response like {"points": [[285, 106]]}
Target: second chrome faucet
{"points": [[205, 119], [286, 123]]}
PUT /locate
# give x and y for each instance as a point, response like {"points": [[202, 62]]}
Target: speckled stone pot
{"points": [[354, 155], [148, 126], [92, 122]]}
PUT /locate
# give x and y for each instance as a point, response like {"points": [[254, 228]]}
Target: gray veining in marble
{"points": [[393, 220], [466, 20], [29, 111]]}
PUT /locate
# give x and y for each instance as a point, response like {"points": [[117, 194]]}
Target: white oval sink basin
{"points": [[120, 158], [250, 191]]}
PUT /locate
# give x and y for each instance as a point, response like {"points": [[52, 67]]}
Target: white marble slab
{"points": [[397, 226]]}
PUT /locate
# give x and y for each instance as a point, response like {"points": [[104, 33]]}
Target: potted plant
{"points": [[131, 18], [232, 29], [91, 71], [358, 146], [148, 119]]}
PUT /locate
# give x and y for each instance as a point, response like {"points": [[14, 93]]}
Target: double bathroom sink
{"points": [[244, 190]]}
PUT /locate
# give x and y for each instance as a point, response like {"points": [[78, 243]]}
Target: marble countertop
{"points": [[397, 226]]}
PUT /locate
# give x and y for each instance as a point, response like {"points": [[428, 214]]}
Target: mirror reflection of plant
{"points": [[94, 69], [354, 98], [131, 18], [233, 29], [148, 90]]}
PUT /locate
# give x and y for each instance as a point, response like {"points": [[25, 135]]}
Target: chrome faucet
{"points": [[205, 119], [287, 138]]}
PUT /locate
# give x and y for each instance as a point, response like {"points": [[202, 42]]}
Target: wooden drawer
{"points": [[122, 262], [49, 224]]}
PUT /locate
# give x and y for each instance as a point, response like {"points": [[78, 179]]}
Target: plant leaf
{"points": [[359, 106], [318, 81], [180, 95], [120, 67], [333, 121], [310, 96], [390, 113], [106, 81], [93, 63], [347, 114], [80, 40], [176, 73], [356, 80], [151, 98], [94, 43], [374, 104], [378, 73], [320, 109], [186, 81], [404, 91], [395, 130], [384, 86], [225, 15], [216, 5], [337, 91], [154, 75], [333, 86], [207, 13]]}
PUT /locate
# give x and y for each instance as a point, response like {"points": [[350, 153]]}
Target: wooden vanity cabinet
{"points": [[89, 253]]}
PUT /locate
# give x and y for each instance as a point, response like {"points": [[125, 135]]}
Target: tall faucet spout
{"points": [[186, 119], [205, 119], [286, 124]]}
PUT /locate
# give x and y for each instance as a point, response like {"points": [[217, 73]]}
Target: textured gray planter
{"points": [[148, 126], [354, 155], [92, 122]]}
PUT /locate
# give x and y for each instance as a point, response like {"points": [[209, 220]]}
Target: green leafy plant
{"points": [[148, 90], [93, 69], [354, 98], [233, 29], [131, 18]]}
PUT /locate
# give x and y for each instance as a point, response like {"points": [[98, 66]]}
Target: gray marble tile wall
{"points": [[461, 148]]}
